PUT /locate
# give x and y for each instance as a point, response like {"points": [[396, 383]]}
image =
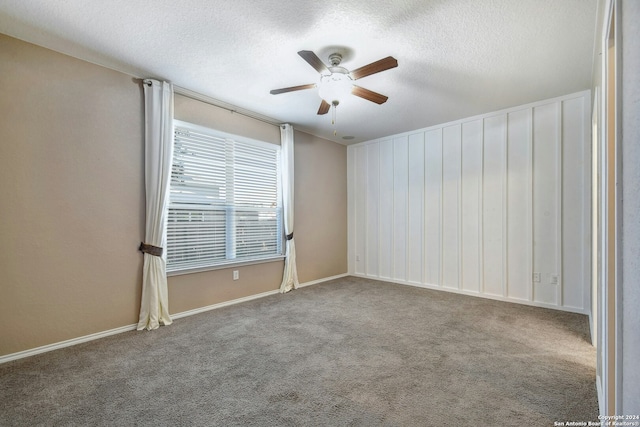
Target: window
{"points": [[224, 201]]}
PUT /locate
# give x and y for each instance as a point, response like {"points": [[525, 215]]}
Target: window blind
{"points": [[224, 201]]}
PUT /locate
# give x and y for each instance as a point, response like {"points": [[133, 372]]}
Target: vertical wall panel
{"points": [[416, 207], [471, 204], [373, 202], [433, 196], [451, 153], [351, 208], [386, 210], [519, 205], [400, 199], [545, 209], [492, 206], [360, 208], [575, 245], [493, 209]]}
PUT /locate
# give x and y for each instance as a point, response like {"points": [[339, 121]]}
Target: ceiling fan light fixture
{"points": [[335, 87], [336, 82]]}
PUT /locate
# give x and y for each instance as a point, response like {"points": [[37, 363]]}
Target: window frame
{"points": [[279, 208]]}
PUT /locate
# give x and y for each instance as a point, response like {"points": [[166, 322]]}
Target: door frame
{"points": [[609, 340]]}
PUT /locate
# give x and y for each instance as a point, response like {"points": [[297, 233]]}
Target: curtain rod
{"points": [[220, 104], [229, 107]]}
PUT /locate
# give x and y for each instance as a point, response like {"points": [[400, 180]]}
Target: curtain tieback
{"points": [[150, 249], [290, 236]]}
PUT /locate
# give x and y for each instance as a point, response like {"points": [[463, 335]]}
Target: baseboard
{"points": [[600, 395], [476, 294], [326, 279], [223, 304], [66, 343], [591, 326], [128, 328]]}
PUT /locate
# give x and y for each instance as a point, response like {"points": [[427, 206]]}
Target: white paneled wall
{"points": [[494, 206]]}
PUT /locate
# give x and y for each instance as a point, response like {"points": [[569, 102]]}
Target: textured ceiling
{"points": [[457, 58]]}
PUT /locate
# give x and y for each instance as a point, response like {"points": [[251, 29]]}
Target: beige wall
{"points": [[321, 207], [72, 201], [71, 197]]}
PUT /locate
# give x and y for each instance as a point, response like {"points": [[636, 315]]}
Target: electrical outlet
{"points": [[554, 279], [236, 274], [357, 257], [537, 278]]}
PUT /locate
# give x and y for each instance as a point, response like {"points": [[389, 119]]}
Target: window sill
{"points": [[226, 265]]}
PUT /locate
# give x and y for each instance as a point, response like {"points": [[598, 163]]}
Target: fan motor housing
{"points": [[335, 59]]}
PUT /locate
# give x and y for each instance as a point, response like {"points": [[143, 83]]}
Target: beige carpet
{"points": [[347, 352]]}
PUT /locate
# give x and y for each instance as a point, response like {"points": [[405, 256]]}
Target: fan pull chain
{"points": [[333, 118]]}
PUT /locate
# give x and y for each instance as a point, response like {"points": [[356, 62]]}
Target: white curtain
{"points": [[290, 276], [158, 148]]}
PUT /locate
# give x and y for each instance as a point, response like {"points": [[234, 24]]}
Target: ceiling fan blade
{"points": [[313, 60], [369, 95], [292, 88], [324, 107], [374, 67]]}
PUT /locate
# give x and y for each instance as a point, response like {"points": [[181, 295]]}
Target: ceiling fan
{"points": [[337, 82]]}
